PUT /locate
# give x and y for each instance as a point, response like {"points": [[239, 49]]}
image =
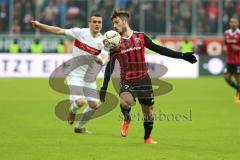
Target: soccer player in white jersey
{"points": [[88, 41]]}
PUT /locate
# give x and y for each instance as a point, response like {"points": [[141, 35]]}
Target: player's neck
{"points": [[233, 29], [95, 34], [127, 33]]}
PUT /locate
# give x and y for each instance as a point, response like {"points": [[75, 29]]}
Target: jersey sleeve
{"points": [[104, 51], [74, 32], [108, 72], [148, 43]]}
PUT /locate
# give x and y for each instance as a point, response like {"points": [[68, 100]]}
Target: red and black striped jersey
{"points": [[131, 57], [232, 38]]}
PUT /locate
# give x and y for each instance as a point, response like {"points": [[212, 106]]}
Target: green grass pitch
{"points": [[29, 129]]}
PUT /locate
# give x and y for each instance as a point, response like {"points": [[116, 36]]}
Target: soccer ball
{"points": [[111, 39]]}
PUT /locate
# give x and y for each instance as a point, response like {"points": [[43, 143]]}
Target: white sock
{"points": [[85, 117], [74, 107]]}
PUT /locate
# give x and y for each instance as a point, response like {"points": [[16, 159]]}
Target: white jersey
{"points": [[84, 44]]}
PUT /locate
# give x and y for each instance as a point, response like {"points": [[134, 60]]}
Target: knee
{"points": [[80, 102], [125, 103], [227, 77], [94, 105]]}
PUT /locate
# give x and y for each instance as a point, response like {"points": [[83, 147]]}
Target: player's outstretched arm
{"points": [[168, 52], [51, 29]]}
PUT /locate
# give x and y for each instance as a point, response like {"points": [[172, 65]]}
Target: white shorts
{"points": [[81, 89]]}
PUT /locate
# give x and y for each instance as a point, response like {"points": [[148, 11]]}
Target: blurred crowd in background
{"points": [[166, 18]]}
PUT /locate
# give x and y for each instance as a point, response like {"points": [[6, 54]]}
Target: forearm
{"points": [[108, 72], [188, 56], [52, 29], [165, 51], [107, 76]]}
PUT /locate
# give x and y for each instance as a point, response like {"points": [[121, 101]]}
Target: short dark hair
{"points": [[234, 17], [121, 13], [95, 14]]}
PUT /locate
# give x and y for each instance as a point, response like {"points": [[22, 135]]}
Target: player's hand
{"points": [[189, 57], [235, 47], [102, 59], [102, 94], [99, 61], [225, 50], [35, 24]]}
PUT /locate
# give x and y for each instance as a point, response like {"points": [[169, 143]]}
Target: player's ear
{"points": [[124, 21]]}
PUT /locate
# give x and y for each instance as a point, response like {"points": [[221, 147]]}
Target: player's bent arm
{"points": [[51, 29], [107, 75], [103, 57], [225, 50], [108, 72], [236, 47]]}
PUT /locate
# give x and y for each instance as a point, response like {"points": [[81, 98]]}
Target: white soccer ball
{"points": [[111, 39]]}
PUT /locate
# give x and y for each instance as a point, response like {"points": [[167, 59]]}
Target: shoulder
{"points": [[238, 31], [84, 29], [139, 33], [227, 31], [75, 30]]}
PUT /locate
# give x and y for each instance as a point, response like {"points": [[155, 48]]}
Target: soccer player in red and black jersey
{"points": [[135, 81], [232, 48]]}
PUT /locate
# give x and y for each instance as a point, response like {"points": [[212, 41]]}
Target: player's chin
{"points": [[97, 29], [116, 29]]}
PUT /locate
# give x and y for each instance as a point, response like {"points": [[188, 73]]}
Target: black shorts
{"points": [[142, 90], [232, 68]]}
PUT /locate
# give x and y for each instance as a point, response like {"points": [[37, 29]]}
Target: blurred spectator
{"points": [[23, 14], [4, 19], [16, 28], [212, 16], [36, 47], [76, 13], [50, 13], [28, 16], [61, 47], [14, 47], [186, 46], [106, 7], [154, 11], [180, 27], [207, 17], [230, 8], [181, 19], [123, 3], [133, 8]]}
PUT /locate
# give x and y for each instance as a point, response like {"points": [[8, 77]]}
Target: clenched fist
{"points": [[35, 24]]}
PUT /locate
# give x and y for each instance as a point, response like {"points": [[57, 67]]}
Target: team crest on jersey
{"points": [[138, 40]]}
